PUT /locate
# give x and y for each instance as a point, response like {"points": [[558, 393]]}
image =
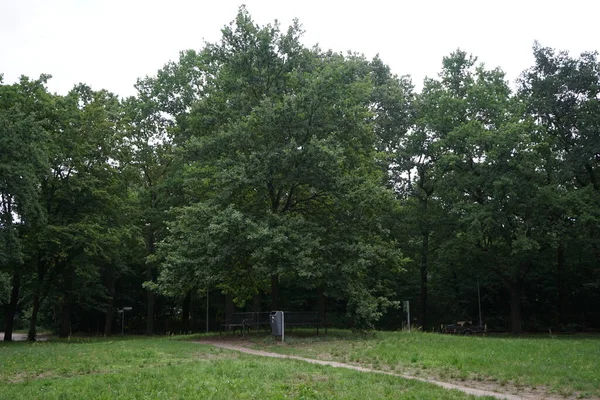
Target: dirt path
{"points": [[19, 337], [446, 385], [16, 337]]}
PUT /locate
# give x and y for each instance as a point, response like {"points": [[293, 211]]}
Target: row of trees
{"points": [[285, 176]]}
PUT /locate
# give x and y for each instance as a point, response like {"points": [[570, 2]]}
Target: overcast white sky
{"points": [[110, 43]]}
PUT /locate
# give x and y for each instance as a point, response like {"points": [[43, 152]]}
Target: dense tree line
{"points": [[258, 174]]}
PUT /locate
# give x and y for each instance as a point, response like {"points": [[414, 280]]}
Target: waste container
{"points": [[276, 318]]}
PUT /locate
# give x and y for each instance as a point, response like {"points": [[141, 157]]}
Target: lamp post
{"points": [[406, 306], [479, 304]]}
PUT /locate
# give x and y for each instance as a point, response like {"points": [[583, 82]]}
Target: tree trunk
{"points": [[11, 308], [110, 307], [149, 312], [423, 269], [185, 312], [64, 329], [275, 302], [40, 293], [515, 307], [560, 283], [110, 316], [65, 319], [149, 295], [322, 304], [149, 300], [256, 303], [32, 332], [229, 306]]}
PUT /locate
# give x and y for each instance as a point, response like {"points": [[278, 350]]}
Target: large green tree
{"points": [[283, 174], [488, 171], [84, 200], [562, 93]]}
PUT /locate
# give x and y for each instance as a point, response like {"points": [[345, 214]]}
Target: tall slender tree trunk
{"points": [[64, 329], [149, 295], [423, 269], [41, 290], [229, 306], [256, 300], [110, 307], [32, 332], [515, 307], [149, 304], [322, 304], [11, 308], [275, 294], [560, 283], [185, 312]]}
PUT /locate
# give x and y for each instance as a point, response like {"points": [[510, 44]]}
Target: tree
{"points": [[154, 167], [24, 109], [283, 174], [84, 201], [562, 93], [489, 170]]}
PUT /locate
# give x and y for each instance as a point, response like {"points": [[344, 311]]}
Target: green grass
{"points": [[566, 365], [169, 369]]}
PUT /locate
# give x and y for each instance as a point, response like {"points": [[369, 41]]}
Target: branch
{"points": [[288, 202]]}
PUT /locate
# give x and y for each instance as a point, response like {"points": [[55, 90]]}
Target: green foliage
{"points": [[24, 112], [282, 171]]}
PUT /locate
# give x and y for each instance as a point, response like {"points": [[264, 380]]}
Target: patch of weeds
{"points": [[564, 393]]}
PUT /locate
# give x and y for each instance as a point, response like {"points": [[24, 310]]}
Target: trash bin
{"points": [[276, 318]]}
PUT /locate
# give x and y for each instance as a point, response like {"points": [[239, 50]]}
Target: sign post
{"points": [[122, 312]]}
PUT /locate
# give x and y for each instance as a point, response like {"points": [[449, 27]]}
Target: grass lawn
{"points": [[140, 368], [563, 365]]}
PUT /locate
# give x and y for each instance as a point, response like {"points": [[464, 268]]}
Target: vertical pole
{"points": [[282, 327], [207, 288], [406, 307], [479, 303], [123, 322]]}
